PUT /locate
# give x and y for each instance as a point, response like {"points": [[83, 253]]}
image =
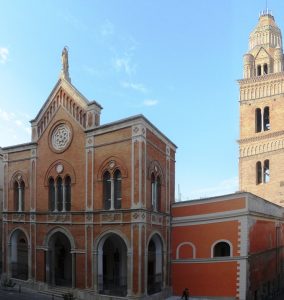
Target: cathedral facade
{"points": [[87, 206]]}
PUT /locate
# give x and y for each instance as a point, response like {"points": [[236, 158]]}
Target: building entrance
{"points": [[112, 266], [19, 255], [59, 260]]}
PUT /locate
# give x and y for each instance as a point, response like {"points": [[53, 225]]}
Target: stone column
{"points": [[129, 273], [55, 196], [20, 197], [95, 274], [112, 194], [73, 270], [9, 271], [64, 197], [47, 266], [29, 262]]}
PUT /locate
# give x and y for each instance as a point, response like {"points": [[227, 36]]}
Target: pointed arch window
{"points": [[59, 191], [117, 189], [51, 194], [67, 193], [107, 190], [19, 195], [112, 192], [156, 192]]}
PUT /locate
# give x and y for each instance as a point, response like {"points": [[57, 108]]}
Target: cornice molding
{"points": [[261, 137], [263, 78]]}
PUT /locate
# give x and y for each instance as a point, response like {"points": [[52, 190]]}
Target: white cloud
{"points": [[107, 28], [13, 128], [6, 116], [4, 53], [224, 187], [150, 102], [124, 64], [135, 86]]}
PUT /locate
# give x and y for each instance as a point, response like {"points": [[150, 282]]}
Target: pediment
{"points": [[64, 95], [262, 54]]}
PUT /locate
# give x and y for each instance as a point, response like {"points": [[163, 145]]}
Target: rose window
{"points": [[61, 137]]}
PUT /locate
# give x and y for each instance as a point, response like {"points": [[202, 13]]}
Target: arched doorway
{"points": [[155, 265], [19, 255], [59, 260], [112, 266]]}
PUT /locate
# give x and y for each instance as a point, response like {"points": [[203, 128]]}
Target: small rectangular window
{"points": [[266, 171], [258, 120], [258, 173]]}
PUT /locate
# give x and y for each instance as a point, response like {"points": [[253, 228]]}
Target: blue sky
{"points": [[175, 61]]}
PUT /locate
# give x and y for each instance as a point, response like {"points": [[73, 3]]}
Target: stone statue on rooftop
{"points": [[65, 64]]}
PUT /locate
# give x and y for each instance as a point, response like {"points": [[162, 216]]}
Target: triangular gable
{"points": [[262, 53], [65, 95]]}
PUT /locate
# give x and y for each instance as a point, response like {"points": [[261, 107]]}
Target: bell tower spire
{"points": [[65, 65], [265, 55], [261, 141]]}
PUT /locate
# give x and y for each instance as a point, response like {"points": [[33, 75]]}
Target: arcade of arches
{"points": [[113, 260]]}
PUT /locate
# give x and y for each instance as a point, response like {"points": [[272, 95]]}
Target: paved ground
{"points": [[25, 294]]}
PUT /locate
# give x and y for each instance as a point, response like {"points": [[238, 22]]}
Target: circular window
{"points": [[61, 137]]}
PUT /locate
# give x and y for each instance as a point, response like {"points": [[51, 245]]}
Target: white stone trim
{"points": [[221, 214], [186, 243], [242, 279], [220, 241]]}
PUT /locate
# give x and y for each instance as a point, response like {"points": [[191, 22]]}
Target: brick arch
{"points": [[63, 230], [20, 229], [15, 176], [111, 164], [67, 171], [99, 241], [153, 234], [190, 244]]}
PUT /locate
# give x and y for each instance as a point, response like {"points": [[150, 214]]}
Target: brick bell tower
{"points": [[261, 144]]}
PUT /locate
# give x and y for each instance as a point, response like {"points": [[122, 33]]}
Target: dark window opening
{"points": [[266, 171], [258, 120], [222, 249], [117, 189], [51, 196], [265, 69], [16, 196], [258, 173], [22, 188], [259, 70], [68, 193], [266, 121], [158, 193], [59, 194], [153, 191], [107, 190]]}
